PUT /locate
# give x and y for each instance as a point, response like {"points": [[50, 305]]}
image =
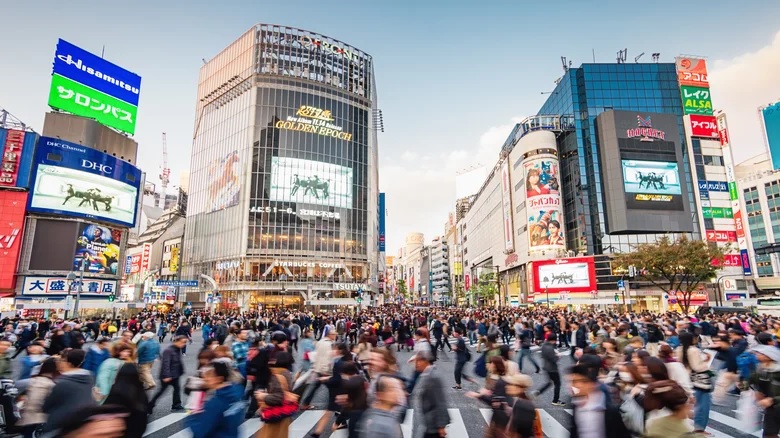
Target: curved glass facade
{"points": [[283, 186]]}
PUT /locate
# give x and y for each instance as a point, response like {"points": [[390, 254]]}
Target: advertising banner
{"points": [[310, 182], [173, 266], [95, 72], [717, 212], [575, 274], [743, 253], [770, 117], [692, 72], [506, 205], [135, 263], [224, 185], [146, 257], [729, 260], [12, 206], [720, 236], [696, 100], [99, 246], [314, 120], [728, 162], [703, 126], [61, 286], [11, 157], [80, 100], [713, 186], [128, 264], [382, 222], [543, 203], [73, 180], [652, 185]]}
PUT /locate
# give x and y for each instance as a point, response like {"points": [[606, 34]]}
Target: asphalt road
{"points": [[468, 417]]}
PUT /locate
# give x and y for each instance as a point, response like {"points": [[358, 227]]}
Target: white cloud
{"points": [[741, 85], [421, 189]]}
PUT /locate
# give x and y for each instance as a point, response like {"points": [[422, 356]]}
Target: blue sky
{"points": [[452, 75]]}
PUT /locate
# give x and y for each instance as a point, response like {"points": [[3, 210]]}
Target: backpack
{"points": [[480, 366], [468, 354], [746, 364]]}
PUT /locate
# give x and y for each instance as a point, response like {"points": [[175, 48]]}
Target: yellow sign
{"points": [[314, 121], [652, 197], [174, 265]]}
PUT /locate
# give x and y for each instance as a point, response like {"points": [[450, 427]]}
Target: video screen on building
{"points": [[74, 180], [99, 246], [652, 185], [310, 182]]}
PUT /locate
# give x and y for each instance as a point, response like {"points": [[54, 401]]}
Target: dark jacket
{"points": [[221, 416], [72, 392], [94, 358], [128, 391], [430, 393], [550, 357], [613, 423], [171, 365]]}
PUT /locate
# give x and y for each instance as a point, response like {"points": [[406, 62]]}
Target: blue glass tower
{"points": [[584, 93]]}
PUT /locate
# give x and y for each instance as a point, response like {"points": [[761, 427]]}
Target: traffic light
{"points": [[111, 298], [617, 298]]}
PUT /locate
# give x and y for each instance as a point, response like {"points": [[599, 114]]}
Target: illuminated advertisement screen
{"points": [[74, 180], [99, 246], [575, 274], [652, 185], [224, 186], [310, 182]]}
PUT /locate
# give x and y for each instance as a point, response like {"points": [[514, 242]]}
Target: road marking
{"points": [[164, 422], [551, 427], [487, 414], [249, 427], [730, 422], [569, 411], [408, 424], [186, 433], [304, 423], [456, 426]]}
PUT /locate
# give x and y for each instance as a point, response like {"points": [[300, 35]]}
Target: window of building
{"points": [[712, 160]]}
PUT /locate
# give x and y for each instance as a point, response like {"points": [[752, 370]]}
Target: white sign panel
{"points": [[310, 182], [61, 285], [729, 284], [506, 203]]}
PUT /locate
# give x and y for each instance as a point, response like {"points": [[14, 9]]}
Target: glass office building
{"points": [[283, 202], [584, 93]]}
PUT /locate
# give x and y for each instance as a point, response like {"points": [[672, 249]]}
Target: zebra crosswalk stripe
{"points": [[456, 426], [408, 424], [164, 422]]}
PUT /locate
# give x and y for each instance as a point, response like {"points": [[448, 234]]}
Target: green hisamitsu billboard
{"points": [[80, 100]]}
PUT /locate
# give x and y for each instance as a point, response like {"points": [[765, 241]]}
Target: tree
{"points": [[675, 266], [402, 289], [459, 294], [487, 288]]}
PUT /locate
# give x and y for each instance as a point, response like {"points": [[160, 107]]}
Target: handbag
{"points": [[702, 380], [288, 408]]}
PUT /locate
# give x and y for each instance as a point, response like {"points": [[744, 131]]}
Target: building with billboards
{"points": [[283, 189]]}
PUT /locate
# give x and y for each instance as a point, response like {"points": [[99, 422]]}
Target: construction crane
{"points": [[165, 175]]}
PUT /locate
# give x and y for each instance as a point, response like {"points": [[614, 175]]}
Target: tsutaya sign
{"points": [[645, 130], [350, 286], [314, 120]]}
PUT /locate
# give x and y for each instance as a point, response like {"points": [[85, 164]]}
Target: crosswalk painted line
{"points": [[164, 422], [307, 420], [456, 426], [408, 424]]}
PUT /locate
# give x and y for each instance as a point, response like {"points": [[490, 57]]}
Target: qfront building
{"points": [[283, 209]]}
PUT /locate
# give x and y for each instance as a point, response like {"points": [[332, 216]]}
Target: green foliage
{"points": [[402, 289], [681, 265]]}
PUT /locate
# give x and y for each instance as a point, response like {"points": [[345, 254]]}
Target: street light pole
{"points": [[81, 284], [547, 291]]}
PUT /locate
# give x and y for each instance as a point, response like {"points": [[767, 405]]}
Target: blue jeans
{"points": [[701, 410], [522, 354]]}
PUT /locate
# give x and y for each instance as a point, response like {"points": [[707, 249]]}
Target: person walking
{"points": [[433, 418], [526, 340], [381, 419], [37, 390], [697, 363], [322, 366], [223, 412], [462, 356], [185, 329], [148, 352], [72, 390], [171, 369], [550, 365]]}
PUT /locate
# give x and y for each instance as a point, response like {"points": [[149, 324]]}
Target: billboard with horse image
{"points": [[310, 182], [74, 180], [224, 185], [651, 184]]}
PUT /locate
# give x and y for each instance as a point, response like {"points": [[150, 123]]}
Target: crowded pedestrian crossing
{"points": [[554, 425]]}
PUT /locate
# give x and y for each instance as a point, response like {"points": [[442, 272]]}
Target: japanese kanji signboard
{"points": [[70, 96], [11, 155], [61, 286], [696, 100]]}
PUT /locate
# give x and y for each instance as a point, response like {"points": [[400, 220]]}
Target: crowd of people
{"points": [[626, 374]]}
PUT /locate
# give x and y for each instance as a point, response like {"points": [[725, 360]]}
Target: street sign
{"points": [[176, 283], [729, 284], [621, 285]]}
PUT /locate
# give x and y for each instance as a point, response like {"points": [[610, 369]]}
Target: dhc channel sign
{"points": [[85, 68], [713, 186]]}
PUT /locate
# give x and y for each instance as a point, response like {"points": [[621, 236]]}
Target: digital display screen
{"points": [[310, 182], [652, 185]]}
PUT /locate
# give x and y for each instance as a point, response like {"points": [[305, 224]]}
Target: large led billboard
{"points": [[99, 246], [771, 120], [652, 185], [310, 182], [74, 180], [12, 204], [89, 86], [574, 274]]}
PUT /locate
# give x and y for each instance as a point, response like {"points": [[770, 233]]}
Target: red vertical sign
{"points": [[12, 207], [12, 153]]}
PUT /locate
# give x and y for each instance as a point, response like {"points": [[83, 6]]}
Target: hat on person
{"points": [[769, 351], [147, 335], [519, 380]]}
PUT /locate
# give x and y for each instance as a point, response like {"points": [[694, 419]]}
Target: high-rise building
{"points": [[759, 188], [283, 194], [770, 121], [440, 271]]}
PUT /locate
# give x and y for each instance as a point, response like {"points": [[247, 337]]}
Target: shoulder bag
{"points": [[288, 408]]}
